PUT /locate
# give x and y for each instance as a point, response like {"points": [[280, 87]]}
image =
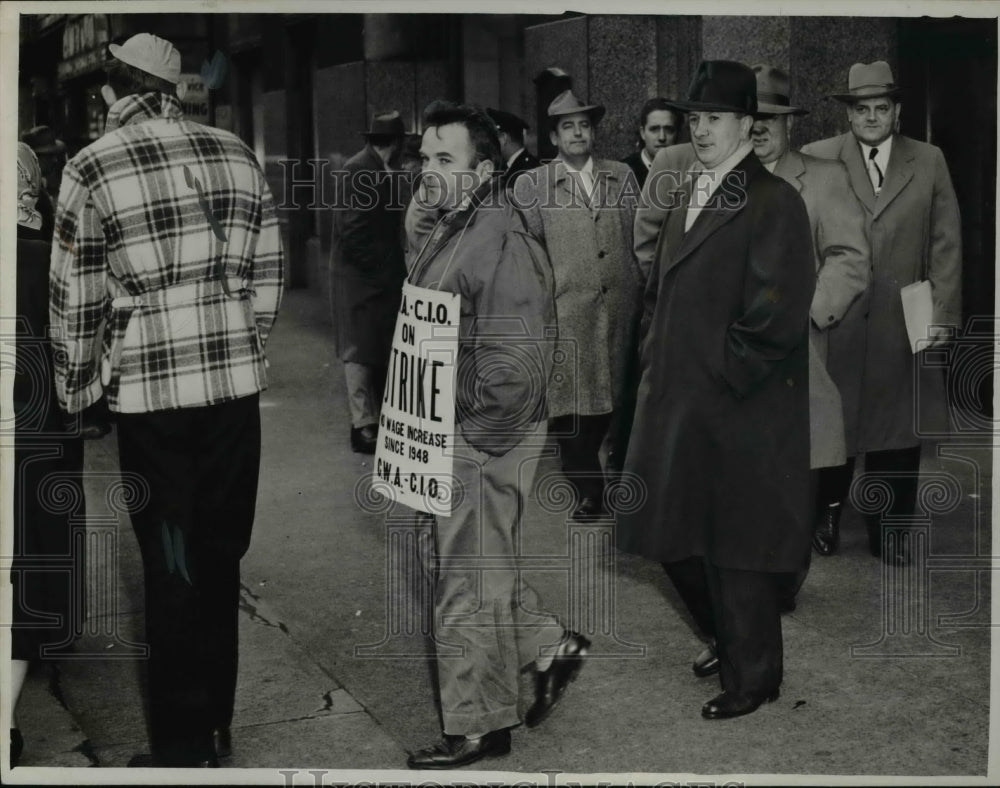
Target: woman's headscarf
{"points": [[29, 185]]}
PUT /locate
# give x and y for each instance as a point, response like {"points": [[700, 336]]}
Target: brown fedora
{"points": [[568, 104], [721, 86], [868, 80], [772, 92], [388, 124]]}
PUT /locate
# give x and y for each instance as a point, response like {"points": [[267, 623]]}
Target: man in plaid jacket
{"points": [[165, 281]]}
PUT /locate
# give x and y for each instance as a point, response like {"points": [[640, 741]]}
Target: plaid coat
{"points": [[166, 267]]}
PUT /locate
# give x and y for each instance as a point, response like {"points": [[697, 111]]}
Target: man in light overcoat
{"points": [[582, 209], [913, 225]]}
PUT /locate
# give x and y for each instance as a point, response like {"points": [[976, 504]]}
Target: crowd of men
{"points": [[733, 335]]}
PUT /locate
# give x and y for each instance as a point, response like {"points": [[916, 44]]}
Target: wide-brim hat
{"points": [[386, 124], [566, 103], [43, 141], [773, 90], [151, 54], [721, 86], [868, 80]]}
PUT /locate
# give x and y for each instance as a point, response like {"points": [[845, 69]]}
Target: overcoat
{"points": [[524, 162], [597, 283], [843, 274], [914, 229], [638, 166], [367, 269], [721, 434]]}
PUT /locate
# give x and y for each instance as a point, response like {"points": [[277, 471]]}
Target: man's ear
{"points": [[746, 123], [108, 94], [484, 169], [554, 138], [895, 123]]}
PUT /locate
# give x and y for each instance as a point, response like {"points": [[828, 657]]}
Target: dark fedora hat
{"points": [[566, 103], [772, 92], [721, 86], [42, 140], [387, 124], [868, 80], [507, 121]]}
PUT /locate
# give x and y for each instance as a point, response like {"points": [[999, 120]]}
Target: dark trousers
{"points": [[740, 610], [201, 466], [580, 439], [900, 469]]}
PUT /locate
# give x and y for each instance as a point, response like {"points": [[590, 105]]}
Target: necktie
{"points": [[871, 157]]}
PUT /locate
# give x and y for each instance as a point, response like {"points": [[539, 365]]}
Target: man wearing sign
{"points": [[466, 239]]}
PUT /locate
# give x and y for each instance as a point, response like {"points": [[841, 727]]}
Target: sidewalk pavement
{"points": [[884, 674]]}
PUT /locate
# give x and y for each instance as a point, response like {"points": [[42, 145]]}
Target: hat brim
{"points": [[705, 106], [779, 109], [850, 98], [596, 112]]}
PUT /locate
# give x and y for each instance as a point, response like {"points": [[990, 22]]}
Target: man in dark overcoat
{"points": [[912, 221], [367, 272], [721, 435]]}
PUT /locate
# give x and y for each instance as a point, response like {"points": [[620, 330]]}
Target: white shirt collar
{"points": [[881, 158], [646, 158], [713, 177], [716, 174], [513, 158]]}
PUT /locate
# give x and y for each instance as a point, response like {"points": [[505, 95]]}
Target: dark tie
{"points": [[871, 157]]}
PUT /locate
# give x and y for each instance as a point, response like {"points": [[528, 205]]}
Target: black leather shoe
{"points": [[590, 509], [147, 761], [826, 535], [223, 739], [735, 704], [550, 684], [460, 750], [16, 747], [364, 439], [706, 663]]}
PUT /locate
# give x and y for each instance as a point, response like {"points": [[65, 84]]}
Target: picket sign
{"points": [[413, 459]]}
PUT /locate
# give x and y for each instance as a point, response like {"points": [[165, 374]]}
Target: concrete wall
{"points": [[623, 75]]}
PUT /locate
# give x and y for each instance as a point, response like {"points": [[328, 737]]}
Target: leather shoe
{"points": [[589, 510], [461, 750], [706, 663], [826, 534], [223, 739], [735, 704], [550, 684], [364, 439], [148, 761]]}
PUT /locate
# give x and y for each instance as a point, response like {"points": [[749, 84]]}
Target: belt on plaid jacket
{"points": [[172, 295]]}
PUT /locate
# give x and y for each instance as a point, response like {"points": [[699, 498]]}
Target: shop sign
{"points": [[193, 94], [83, 46]]}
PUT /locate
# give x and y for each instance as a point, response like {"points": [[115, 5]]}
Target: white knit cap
{"points": [[151, 54]]}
